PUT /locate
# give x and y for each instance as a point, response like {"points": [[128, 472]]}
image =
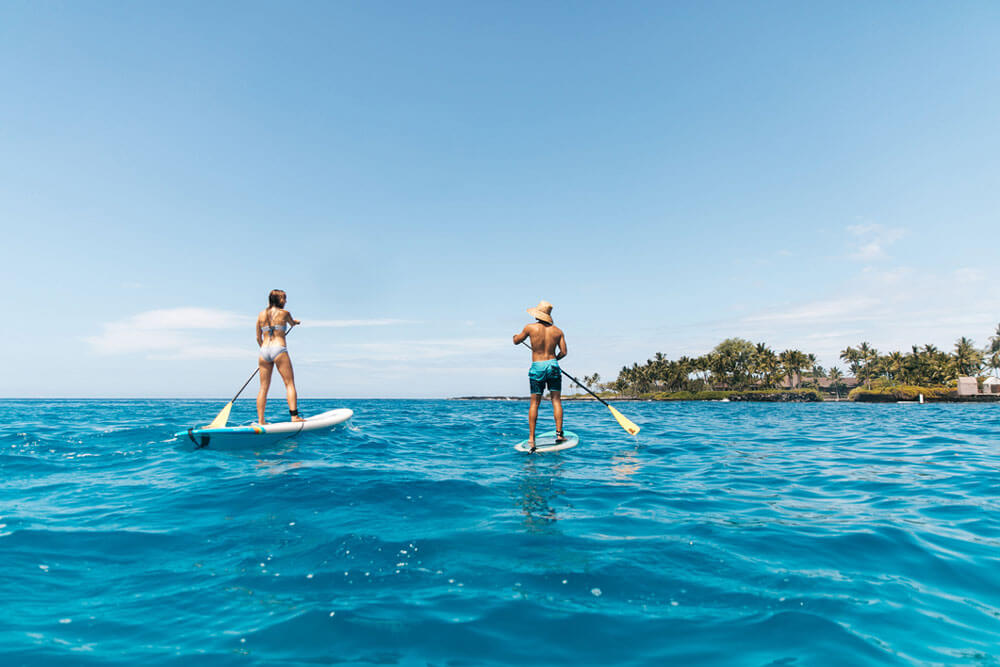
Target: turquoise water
{"points": [[724, 534]]}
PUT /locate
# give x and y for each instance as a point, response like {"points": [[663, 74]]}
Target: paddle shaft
{"points": [[578, 383], [245, 385]]}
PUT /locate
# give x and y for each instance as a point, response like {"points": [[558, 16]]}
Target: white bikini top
{"points": [[271, 328]]}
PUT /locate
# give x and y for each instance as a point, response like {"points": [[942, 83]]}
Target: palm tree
{"points": [[849, 354], [701, 365], [852, 358], [995, 342], [835, 379], [968, 360], [770, 367], [622, 382], [993, 361], [815, 370], [658, 365], [793, 361], [762, 365], [894, 364], [682, 373], [938, 367], [868, 356]]}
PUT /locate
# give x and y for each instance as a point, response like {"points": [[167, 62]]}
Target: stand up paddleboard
{"points": [[255, 435], [546, 442]]}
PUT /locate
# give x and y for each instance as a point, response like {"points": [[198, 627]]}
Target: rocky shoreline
{"points": [[739, 397]]}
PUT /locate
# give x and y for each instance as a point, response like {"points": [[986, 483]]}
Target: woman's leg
{"points": [[265, 383], [284, 364]]}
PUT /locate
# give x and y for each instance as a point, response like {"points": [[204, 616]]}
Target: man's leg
{"points": [[557, 411], [533, 417]]}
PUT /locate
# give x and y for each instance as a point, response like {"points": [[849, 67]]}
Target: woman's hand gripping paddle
{"points": [[623, 421], [223, 417]]}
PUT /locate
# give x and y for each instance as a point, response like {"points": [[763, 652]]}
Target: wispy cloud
{"points": [[818, 312], [410, 351], [181, 333], [873, 241], [340, 324], [185, 318], [166, 334], [969, 275]]}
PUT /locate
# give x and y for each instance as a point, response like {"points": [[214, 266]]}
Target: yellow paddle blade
{"points": [[221, 419], [624, 421]]}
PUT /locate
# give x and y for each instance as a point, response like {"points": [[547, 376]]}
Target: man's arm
{"points": [[521, 337], [561, 344]]}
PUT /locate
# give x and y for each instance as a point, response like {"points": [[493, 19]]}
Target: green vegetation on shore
{"points": [[753, 371], [901, 392], [772, 395]]}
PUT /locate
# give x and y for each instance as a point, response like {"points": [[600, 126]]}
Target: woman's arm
{"points": [[260, 335]]}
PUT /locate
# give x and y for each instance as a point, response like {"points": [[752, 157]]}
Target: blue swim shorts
{"points": [[545, 373]]}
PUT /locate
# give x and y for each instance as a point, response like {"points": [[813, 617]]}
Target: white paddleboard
{"points": [[546, 442], [255, 435]]}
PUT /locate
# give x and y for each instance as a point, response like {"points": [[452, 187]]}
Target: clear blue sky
{"points": [[415, 175]]}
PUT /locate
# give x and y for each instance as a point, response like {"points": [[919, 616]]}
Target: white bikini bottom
{"points": [[271, 352]]}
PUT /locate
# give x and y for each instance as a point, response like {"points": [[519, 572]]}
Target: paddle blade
{"points": [[624, 421], [221, 419]]}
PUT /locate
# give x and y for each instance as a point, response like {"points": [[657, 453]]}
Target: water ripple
{"points": [[722, 534]]}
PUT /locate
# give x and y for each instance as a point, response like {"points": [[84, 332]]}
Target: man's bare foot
{"points": [[560, 437], [531, 445]]}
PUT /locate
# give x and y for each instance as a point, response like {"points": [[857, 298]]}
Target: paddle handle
{"points": [[578, 384]]}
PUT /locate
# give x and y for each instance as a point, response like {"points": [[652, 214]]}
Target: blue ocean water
{"points": [[725, 533]]}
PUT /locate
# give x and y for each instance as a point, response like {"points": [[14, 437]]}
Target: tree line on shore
{"points": [[738, 364]]}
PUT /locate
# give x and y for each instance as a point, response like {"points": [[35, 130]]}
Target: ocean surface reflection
{"points": [[725, 533]]}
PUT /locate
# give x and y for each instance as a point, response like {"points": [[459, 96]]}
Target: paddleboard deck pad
{"points": [[546, 442], [255, 435]]}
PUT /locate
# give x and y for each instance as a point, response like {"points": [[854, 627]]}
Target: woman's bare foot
{"points": [[296, 418]]}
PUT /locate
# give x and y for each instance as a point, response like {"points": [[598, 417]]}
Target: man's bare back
{"points": [[545, 339]]}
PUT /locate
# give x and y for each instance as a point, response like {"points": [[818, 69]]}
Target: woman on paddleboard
{"points": [[271, 330]]}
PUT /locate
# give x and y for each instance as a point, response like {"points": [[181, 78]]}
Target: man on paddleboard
{"points": [[546, 339]]}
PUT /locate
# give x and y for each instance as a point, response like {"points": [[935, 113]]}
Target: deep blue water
{"points": [[726, 533]]}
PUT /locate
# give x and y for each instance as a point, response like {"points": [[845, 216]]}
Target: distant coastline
{"points": [[739, 370], [789, 396]]}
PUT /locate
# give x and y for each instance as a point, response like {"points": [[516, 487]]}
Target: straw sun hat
{"points": [[542, 311]]}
